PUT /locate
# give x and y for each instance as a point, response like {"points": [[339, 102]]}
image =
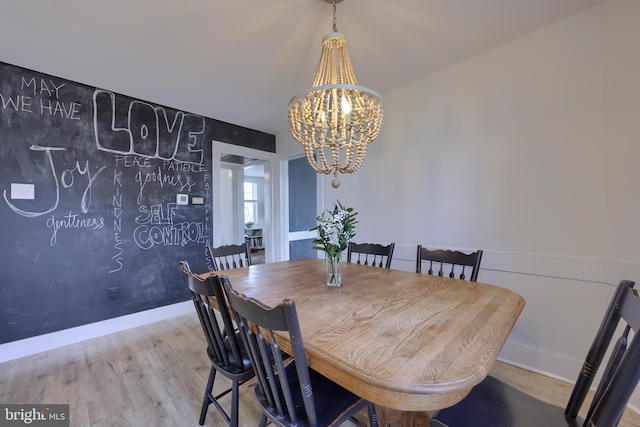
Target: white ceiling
{"points": [[240, 61]]}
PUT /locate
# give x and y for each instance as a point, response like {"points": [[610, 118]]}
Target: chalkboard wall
{"points": [[93, 185]]}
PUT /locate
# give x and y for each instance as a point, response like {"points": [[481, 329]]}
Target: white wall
{"points": [[530, 152], [621, 123]]}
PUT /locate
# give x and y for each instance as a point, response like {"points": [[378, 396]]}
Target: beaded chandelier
{"points": [[336, 119]]}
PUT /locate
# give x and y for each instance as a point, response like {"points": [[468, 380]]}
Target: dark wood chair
{"points": [[230, 256], [289, 393], [493, 403], [453, 261], [371, 254], [224, 346]]}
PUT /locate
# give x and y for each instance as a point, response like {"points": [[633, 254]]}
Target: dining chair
{"points": [[224, 346], [288, 391], [226, 257], [454, 261], [371, 254], [493, 403]]}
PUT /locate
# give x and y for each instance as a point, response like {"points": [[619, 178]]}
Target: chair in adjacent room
{"points": [[493, 403], [447, 262], [288, 391], [224, 345], [230, 256], [370, 254]]}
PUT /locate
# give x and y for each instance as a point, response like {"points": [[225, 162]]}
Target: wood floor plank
{"points": [[155, 375]]}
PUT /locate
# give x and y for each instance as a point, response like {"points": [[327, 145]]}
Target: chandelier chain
{"points": [[335, 21]]}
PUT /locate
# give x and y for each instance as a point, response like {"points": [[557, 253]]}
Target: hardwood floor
{"points": [[155, 375]]}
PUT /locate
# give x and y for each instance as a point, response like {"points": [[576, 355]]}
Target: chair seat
{"points": [[493, 403], [332, 398], [232, 367]]}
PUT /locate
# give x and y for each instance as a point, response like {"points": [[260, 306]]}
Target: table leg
{"points": [[394, 418]]}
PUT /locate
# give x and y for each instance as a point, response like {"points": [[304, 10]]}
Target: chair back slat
{"points": [[260, 349], [213, 334], [229, 256], [371, 254], [614, 361], [259, 326], [449, 262], [596, 352], [610, 407]]}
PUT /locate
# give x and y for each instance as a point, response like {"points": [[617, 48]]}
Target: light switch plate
{"points": [[23, 191], [182, 199]]}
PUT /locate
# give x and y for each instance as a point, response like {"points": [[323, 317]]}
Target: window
{"points": [[250, 202]]}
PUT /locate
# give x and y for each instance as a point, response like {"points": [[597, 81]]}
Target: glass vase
{"points": [[334, 277]]}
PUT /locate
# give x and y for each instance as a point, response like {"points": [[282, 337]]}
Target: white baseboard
{"points": [[540, 361], [28, 346]]}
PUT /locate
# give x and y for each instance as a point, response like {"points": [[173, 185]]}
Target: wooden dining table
{"points": [[402, 340]]}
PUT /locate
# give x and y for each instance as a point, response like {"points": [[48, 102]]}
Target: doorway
{"points": [[253, 208], [241, 196], [302, 184]]}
